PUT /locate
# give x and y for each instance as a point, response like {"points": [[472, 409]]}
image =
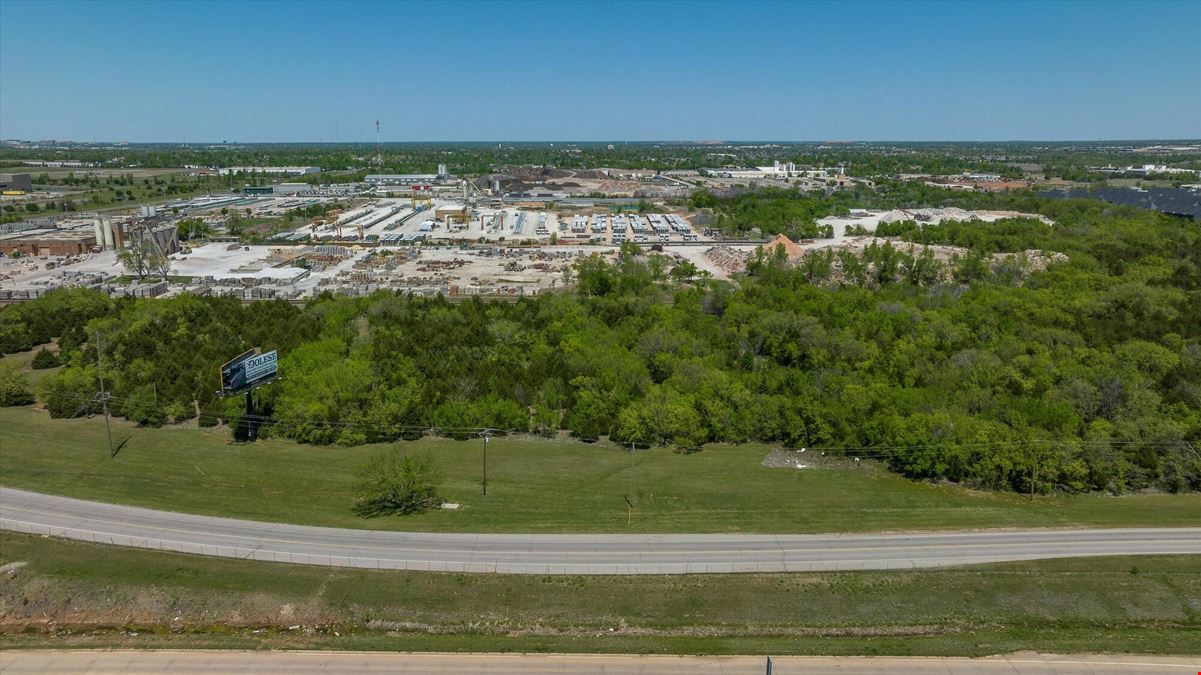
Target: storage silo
{"points": [[106, 227]]}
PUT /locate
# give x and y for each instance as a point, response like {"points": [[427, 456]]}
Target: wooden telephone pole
{"points": [[485, 482], [103, 395]]}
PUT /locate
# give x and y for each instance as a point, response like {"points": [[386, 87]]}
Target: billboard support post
{"points": [[246, 427]]}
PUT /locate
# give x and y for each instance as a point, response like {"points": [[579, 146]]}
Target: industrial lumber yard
{"points": [[422, 246], [425, 247], [573, 337]]}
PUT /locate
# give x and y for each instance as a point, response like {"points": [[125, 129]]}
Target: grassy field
{"points": [[138, 174], [88, 595], [534, 485], [23, 361]]}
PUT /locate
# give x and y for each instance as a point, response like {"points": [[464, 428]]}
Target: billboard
{"points": [[248, 370]]}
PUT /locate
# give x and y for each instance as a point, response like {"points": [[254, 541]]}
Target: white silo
{"points": [[106, 226]]}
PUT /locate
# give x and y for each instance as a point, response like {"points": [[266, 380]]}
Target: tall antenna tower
{"points": [[379, 153]]}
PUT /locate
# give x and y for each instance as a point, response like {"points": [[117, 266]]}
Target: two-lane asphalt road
{"points": [[564, 553]]}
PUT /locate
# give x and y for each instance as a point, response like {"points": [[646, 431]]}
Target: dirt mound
{"points": [[790, 248], [538, 173]]}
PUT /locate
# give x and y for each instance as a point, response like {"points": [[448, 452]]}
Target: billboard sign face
{"points": [[248, 370]]}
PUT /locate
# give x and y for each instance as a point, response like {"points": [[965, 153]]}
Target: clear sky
{"points": [[324, 71]]}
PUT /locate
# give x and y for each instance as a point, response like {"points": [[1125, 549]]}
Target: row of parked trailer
{"points": [[622, 224], [289, 204], [353, 225]]}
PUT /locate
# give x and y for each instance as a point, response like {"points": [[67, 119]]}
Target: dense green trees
{"points": [[70, 393], [62, 313], [193, 228], [774, 211], [1082, 376]]}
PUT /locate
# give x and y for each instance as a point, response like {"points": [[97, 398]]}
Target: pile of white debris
{"points": [[729, 260], [952, 213]]}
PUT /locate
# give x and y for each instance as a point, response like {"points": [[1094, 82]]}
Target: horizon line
{"points": [[612, 141]]}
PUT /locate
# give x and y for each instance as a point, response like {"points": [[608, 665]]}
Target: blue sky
{"points": [[324, 71]]}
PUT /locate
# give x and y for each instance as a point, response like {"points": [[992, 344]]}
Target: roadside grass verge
{"points": [[72, 594], [534, 485]]}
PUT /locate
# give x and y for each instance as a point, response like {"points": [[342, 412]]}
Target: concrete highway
{"points": [[564, 553], [85, 661]]}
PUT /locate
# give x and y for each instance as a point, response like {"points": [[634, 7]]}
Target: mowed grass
{"points": [[534, 485], [23, 362], [106, 594]]}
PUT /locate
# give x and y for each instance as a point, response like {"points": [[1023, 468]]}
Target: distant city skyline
{"points": [[599, 71]]}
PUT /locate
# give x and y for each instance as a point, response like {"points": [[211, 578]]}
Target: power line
{"points": [[861, 451]]}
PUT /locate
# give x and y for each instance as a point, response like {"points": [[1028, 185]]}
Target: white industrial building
{"points": [[776, 170], [290, 188], [404, 178], [271, 170]]}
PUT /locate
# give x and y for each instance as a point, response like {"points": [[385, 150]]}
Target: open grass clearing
{"points": [[534, 485], [78, 594], [23, 361]]}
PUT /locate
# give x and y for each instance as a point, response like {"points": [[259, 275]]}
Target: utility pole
{"points": [[633, 475], [633, 492], [250, 428], [103, 396], [485, 483]]}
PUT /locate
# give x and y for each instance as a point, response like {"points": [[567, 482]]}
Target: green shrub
{"points": [[393, 483], [69, 393], [14, 388], [177, 411], [45, 359], [142, 407]]}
